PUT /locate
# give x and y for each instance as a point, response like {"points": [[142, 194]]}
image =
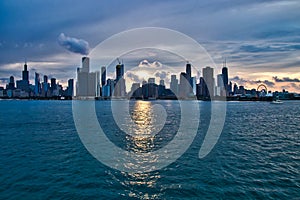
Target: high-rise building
{"points": [[235, 89], [174, 84], [152, 89], [188, 70], [208, 75], [25, 73], [45, 86], [136, 91], [85, 64], [201, 88], [53, 85], [119, 71], [70, 88], [162, 82], [145, 89], [86, 81], [120, 88], [151, 80], [184, 85], [37, 84], [225, 76], [220, 82], [220, 89], [161, 88], [11, 84], [103, 76], [24, 83]]}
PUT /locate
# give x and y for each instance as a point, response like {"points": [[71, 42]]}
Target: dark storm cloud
{"points": [[286, 79], [73, 44], [242, 81]]}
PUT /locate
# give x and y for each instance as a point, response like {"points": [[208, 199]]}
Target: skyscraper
{"points": [[25, 73], [174, 84], [220, 89], [188, 70], [120, 88], [161, 88], [119, 71], [70, 88], [220, 82], [151, 80], [103, 76], [37, 84], [11, 84], [184, 86], [225, 76], [86, 81], [208, 75], [24, 83], [85, 64], [201, 88], [45, 86], [53, 84], [152, 89]]}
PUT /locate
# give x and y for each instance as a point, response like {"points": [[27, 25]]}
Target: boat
{"points": [[277, 101]]}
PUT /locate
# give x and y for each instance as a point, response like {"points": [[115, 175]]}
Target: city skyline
{"points": [[260, 47], [96, 83]]}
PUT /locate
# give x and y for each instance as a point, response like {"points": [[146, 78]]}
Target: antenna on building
{"points": [[118, 61]]}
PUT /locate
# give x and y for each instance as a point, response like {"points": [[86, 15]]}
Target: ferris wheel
{"points": [[262, 89]]}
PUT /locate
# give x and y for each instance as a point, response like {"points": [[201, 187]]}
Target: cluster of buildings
{"points": [[96, 85], [42, 89]]}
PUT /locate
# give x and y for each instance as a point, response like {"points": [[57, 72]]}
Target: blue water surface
{"points": [[257, 156]]}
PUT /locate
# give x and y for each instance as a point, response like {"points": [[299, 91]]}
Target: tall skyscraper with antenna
{"points": [[24, 83], [225, 74]]}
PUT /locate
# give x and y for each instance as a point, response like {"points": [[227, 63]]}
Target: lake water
{"points": [[256, 157]]}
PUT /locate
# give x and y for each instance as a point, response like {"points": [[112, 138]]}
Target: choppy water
{"points": [[257, 156]]}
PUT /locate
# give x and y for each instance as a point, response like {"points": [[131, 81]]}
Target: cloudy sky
{"points": [[259, 39]]}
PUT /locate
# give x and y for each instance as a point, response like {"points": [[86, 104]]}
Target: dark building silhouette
{"points": [[161, 88], [208, 75], [25, 73], [70, 88], [37, 84], [184, 85], [119, 71], [103, 76], [188, 70], [225, 76], [201, 88], [120, 88], [24, 83], [45, 87], [11, 84], [53, 84]]}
